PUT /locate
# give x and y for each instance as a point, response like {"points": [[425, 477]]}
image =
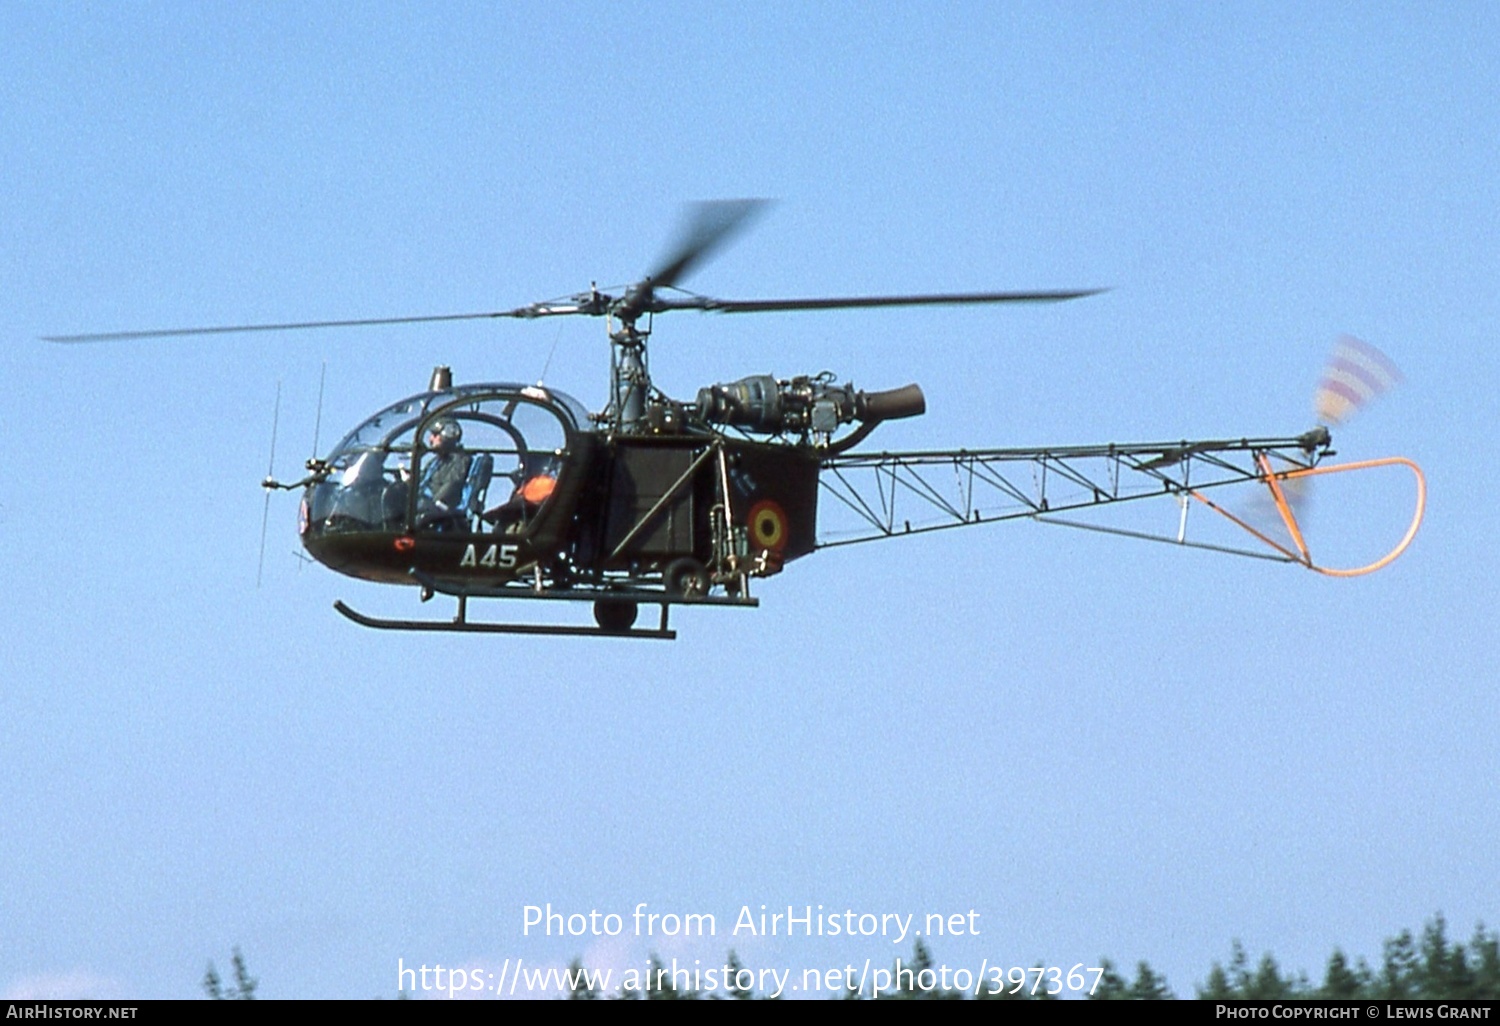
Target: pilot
{"points": [[447, 473]]}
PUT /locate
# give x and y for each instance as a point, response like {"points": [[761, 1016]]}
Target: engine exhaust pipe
{"points": [[892, 404]]}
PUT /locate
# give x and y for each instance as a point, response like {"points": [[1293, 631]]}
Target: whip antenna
{"points": [[265, 514], [556, 339], [318, 421]]}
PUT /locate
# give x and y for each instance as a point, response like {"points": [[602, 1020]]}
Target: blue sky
{"points": [[1105, 748]]}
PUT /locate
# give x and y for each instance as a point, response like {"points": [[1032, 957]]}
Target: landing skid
{"points": [[614, 608], [521, 590], [462, 624]]}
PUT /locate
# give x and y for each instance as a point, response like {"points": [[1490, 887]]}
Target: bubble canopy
{"points": [[391, 428], [444, 460]]}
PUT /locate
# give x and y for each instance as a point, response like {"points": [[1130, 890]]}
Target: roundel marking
{"points": [[768, 528]]}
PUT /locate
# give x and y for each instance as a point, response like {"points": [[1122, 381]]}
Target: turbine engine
{"points": [[809, 406]]}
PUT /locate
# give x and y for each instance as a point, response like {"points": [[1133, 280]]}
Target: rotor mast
{"points": [[630, 377], [709, 226]]}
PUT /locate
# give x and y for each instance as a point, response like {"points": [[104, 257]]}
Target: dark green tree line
{"points": [[1429, 967], [244, 984]]}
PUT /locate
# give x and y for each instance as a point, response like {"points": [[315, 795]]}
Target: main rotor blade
{"points": [[854, 302], [118, 336], [710, 226]]}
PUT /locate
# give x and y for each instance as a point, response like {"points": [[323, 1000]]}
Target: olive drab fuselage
{"points": [[533, 495]]}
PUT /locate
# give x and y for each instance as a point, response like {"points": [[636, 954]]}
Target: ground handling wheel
{"points": [[686, 578]]}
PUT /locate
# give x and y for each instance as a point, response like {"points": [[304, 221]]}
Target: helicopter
{"points": [[506, 490]]}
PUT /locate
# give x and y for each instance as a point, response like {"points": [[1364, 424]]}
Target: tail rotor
{"points": [[1355, 375]]}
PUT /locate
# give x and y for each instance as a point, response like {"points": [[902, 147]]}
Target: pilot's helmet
{"points": [[444, 434]]}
